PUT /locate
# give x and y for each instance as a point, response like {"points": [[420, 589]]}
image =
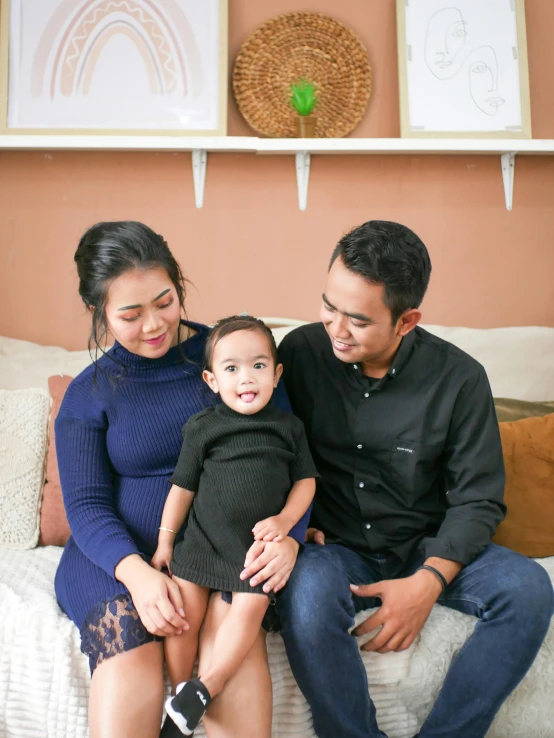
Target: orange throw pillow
{"points": [[54, 528], [528, 447]]}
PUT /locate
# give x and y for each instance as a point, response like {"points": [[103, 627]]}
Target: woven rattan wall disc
{"points": [[296, 45]]}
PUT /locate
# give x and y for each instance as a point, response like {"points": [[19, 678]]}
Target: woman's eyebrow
{"points": [[133, 307]]}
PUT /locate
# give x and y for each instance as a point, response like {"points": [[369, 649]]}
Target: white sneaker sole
{"points": [[177, 718]]}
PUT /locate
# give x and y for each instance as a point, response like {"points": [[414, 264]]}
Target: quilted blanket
{"points": [[44, 678]]}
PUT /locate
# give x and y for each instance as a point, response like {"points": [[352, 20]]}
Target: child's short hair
{"points": [[234, 323]]}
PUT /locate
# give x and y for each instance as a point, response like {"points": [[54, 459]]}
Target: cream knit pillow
{"points": [[23, 438]]}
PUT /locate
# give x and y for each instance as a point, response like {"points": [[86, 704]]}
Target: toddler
{"points": [[245, 473]]}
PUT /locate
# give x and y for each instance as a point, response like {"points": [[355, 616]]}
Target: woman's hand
{"points": [[157, 599], [271, 562]]}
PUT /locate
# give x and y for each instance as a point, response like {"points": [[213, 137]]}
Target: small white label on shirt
{"points": [[407, 450]]}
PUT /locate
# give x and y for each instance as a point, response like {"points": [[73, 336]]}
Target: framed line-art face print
{"points": [[463, 68], [114, 66]]}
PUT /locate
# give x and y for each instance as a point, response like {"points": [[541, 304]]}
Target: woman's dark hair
{"points": [[389, 254], [234, 323], [108, 250]]}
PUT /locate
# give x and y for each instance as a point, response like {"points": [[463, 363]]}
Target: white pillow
{"points": [[23, 439], [24, 364], [519, 360]]}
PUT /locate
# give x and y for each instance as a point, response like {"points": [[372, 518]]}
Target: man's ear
{"points": [[278, 373], [210, 380], [407, 322]]}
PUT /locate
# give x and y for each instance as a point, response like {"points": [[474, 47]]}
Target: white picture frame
{"points": [[463, 70], [111, 67]]}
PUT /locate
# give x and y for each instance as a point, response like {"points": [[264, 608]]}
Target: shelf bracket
{"points": [[508, 162], [199, 164], [302, 177]]}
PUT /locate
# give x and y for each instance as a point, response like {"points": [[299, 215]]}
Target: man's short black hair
{"points": [[389, 254]]}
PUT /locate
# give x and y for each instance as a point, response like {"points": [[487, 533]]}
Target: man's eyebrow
{"points": [[133, 307], [356, 316]]}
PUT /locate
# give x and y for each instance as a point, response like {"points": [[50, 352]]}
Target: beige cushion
{"points": [[508, 410], [23, 435]]}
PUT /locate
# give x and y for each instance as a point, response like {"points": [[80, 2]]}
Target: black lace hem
{"points": [[113, 627]]}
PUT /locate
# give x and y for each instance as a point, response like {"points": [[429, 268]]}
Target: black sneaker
{"points": [[188, 706], [169, 729]]}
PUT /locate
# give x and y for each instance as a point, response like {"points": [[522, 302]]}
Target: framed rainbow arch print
{"points": [[114, 67]]}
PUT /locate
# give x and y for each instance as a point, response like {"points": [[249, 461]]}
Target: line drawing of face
{"points": [[447, 51], [445, 38], [483, 80]]}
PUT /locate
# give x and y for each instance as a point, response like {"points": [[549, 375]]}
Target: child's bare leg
{"points": [[235, 637], [234, 640], [181, 651]]}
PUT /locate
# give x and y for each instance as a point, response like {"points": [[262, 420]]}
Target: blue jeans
{"points": [[510, 594]]}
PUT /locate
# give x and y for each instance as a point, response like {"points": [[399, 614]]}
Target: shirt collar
{"points": [[402, 355], [400, 358]]}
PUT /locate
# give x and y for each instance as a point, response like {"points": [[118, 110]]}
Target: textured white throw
{"points": [[44, 679], [23, 436]]}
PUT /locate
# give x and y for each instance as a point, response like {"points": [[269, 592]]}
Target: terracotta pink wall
{"points": [[250, 248]]}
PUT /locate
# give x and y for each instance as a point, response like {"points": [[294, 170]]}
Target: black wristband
{"points": [[437, 573]]}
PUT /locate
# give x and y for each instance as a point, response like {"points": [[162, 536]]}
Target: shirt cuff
{"points": [[459, 551]]}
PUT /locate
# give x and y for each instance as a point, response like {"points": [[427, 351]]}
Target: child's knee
{"points": [[250, 603]]}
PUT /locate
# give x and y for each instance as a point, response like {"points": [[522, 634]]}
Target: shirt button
{"points": [[366, 394], [368, 525], [359, 445], [361, 484], [394, 371], [355, 366]]}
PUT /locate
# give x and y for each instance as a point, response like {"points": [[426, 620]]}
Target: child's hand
{"points": [[271, 529], [162, 557]]}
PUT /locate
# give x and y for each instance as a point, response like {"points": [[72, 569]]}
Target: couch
{"points": [[44, 678]]}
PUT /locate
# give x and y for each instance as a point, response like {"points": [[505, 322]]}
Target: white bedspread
{"points": [[44, 678]]}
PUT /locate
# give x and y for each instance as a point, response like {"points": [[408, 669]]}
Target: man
{"points": [[403, 431]]}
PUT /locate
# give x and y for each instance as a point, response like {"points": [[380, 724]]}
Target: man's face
{"points": [[356, 318]]}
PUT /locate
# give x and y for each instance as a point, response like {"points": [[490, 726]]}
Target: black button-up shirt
{"points": [[410, 460]]}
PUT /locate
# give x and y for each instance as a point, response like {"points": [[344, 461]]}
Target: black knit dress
{"points": [[242, 468]]}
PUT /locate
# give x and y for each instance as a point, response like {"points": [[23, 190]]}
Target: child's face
{"points": [[243, 371]]}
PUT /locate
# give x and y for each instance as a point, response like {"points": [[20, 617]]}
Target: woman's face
{"points": [[143, 312]]}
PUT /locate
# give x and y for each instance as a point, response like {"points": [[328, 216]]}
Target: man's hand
{"points": [[271, 563], [406, 604], [313, 535]]}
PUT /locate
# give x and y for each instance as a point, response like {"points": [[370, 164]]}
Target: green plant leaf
{"points": [[303, 96]]}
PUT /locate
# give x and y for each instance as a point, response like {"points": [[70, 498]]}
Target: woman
{"points": [[118, 440]]}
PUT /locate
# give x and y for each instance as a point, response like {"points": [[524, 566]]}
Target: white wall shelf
{"points": [[302, 149]]}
